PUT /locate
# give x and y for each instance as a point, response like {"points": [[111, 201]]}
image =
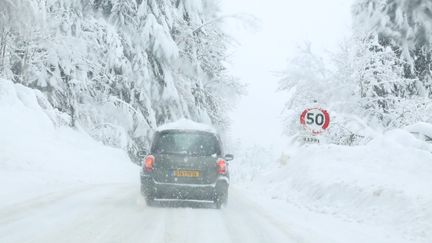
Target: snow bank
{"points": [[422, 130], [39, 155], [185, 124], [387, 183]]}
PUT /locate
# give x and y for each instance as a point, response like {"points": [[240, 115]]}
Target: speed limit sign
{"points": [[315, 120]]}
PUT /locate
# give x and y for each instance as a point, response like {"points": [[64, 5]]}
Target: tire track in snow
{"points": [[117, 213], [22, 209], [246, 224], [284, 228]]}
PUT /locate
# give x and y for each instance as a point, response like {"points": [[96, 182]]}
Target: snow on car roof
{"points": [[185, 124]]}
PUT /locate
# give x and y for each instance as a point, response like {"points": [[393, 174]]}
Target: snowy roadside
{"points": [[39, 156], [384, 184]]}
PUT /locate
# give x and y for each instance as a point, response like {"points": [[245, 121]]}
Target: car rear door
{"points": [[186, 165], [184, 169]]}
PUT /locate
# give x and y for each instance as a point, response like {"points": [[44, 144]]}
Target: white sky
{"points": [[284, 24]]}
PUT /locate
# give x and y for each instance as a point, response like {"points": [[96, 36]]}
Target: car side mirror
{"points": [[229, 157], [142, 154]]}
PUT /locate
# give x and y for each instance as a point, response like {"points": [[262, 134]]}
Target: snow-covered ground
{"points": [[384, 185], [38, 155], [117, 213], [59, 185]]}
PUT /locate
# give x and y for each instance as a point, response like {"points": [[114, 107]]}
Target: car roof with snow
{"points": [[187, 125]]}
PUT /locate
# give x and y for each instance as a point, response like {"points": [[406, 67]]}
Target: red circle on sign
{"points": [[309, 120]]}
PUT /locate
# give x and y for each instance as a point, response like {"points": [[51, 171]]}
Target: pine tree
{"points": [[408, 22], [120, 68]]}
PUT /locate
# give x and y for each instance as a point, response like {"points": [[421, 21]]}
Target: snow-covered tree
{"points": [[405, 26], [364, 87], [408, 22], [120, 68], [384, 90], [305, 80], [401, 30], [380, 79]]}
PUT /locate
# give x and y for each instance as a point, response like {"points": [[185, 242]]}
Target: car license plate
{"points": [[186, 173]]}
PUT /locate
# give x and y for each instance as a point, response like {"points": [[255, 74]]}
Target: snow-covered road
{"points": [[117, 213], [57, 184]]}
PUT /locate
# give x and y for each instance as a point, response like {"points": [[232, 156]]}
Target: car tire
{"points": [[143, 193], [221, 196], [225, 199], [148, 195], [149, 200], [218, 203], [221, 200]]}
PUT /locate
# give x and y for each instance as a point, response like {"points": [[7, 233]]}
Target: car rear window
{"points": [[190, 143]]}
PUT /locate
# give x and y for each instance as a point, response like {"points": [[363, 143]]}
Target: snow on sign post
{"points": [[315, 121]]}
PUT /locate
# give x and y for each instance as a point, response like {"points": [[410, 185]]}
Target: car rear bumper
{"points": [[182, 191]]}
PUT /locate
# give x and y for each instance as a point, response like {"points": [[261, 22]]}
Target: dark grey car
{"points": [[186, 164]]}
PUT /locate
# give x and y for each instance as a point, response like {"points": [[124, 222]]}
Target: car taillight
{"points": [[221, 166], [149, 163]]}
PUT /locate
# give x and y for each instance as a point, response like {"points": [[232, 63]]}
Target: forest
{"points": [[119, 68], [379, 79]]}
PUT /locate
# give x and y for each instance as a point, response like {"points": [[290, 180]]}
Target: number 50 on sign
{"points": [[315, 120]]}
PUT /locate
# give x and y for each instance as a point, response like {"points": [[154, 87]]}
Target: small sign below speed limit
{"points": [[315, 120]]}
